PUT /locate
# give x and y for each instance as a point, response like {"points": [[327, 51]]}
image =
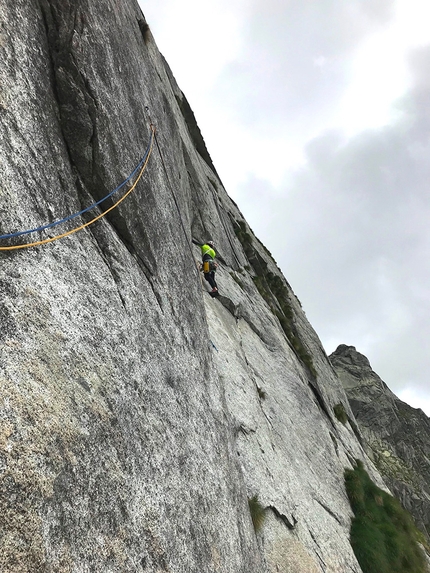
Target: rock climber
{"points": [[209, 265]]}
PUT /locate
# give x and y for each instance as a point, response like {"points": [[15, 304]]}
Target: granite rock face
{"points": [[397, 435], [137, 414]]}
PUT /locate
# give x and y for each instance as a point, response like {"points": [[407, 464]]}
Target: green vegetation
{"points": [[286, 318], [303, 354], [244, 237], [279, 289], [273, 290], [258, 512], [340, 413], [260, 284], [383, 535], [285, 315]]}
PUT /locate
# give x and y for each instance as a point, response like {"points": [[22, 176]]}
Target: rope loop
{"points": [[140, 168]]}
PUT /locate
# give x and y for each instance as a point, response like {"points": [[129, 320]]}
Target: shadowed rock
{"points": [[397, 435]]}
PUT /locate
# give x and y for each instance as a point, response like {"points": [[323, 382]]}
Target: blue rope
{"points": [[55, 223]]}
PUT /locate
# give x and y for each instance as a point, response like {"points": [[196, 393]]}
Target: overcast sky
{"points": [[317, 116]]}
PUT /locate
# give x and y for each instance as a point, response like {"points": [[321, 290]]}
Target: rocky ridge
{"points": [[137, 414], [397, 436]]}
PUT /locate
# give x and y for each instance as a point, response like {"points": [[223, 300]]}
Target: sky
{"points": [[316, 114]]}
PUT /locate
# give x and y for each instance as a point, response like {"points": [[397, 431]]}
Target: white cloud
{"points": [[412, 18], [378, 76], [415, 399]]}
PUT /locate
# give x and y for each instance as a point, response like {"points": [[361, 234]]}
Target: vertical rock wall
{"points": [[115, 449], [137, 414]]}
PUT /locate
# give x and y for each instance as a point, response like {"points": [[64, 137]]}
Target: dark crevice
{"points": [[323, 564], [267, 418], [357, 433], [335, 444], [47, 19], [103, 244], [145, 269], [75, 99], [122, 233], [352, 460], [119, 227], [148, 276], [252, 326], [229, 305], [290, 524], [91, 101], [141, 263], [254, 329], [245, 430], [329, 511], [320, 401], [113, 273]]}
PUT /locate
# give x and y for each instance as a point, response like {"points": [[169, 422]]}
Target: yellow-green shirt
{"points": [[207, 250]]}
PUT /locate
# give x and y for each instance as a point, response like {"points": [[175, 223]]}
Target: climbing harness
{"points": [[140, 168], [209, 266]]}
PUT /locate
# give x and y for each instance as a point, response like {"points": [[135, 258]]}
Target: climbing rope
{"points": [[140, 169]]}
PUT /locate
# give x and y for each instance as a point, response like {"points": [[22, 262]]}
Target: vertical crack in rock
{"points": [[358, 434], [335, 444], [320, 401], [113, 273], [148, 275], [78, 108], [103, 243], [318, 553], [75, 102]]}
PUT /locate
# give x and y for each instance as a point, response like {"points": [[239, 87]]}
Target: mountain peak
{"points": [[397, 436]]}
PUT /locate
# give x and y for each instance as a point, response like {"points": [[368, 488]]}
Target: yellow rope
{"points": [[43, 242]]}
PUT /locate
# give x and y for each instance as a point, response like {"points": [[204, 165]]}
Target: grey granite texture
{"points": [[397, 435], [137, 414]]}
